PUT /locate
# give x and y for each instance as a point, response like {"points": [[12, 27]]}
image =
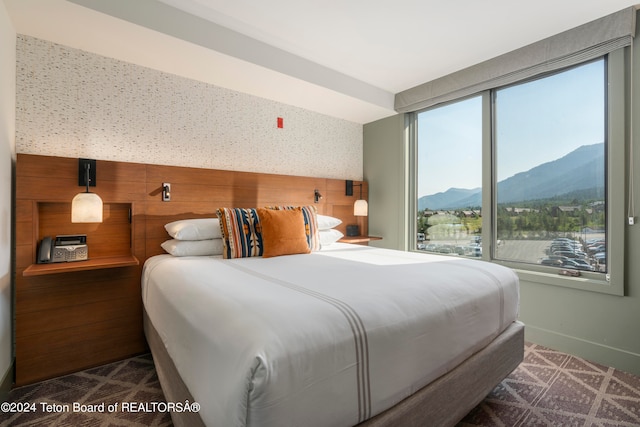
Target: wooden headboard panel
{"points": [[195, 193], [71, 316], [199, 193]]}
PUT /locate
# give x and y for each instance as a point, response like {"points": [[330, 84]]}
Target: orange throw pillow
{"points": [[283, 232]]}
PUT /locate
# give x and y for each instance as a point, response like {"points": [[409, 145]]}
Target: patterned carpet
{"points": [[132, 380], [549, 388]]}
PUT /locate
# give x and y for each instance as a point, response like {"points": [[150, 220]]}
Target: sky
{"points": [[537, 122]]}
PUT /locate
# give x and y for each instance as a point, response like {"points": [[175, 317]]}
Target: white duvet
{"points": [[325, 339]]}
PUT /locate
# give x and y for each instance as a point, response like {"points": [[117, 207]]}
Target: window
{"points": [[449, 186], [549, 139], [520, 175]]}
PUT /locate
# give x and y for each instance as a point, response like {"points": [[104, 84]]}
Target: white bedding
{"points": [[323, 339]]}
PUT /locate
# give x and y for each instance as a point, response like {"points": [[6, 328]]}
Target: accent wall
{"points": [[73, 103]]}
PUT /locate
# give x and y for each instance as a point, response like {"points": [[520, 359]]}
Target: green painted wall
{"points": [[384, 160]]}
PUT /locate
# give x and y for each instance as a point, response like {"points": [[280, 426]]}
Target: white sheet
{"points": [[325, 339]]}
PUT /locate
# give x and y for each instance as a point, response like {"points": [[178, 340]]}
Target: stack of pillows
{"points": [[251, 232], [194, 237], [326, 231]]}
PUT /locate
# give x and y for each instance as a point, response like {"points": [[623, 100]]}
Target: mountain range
{"points": [[579, 172]]}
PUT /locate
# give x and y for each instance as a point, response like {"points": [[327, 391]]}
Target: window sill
{"points": [[585, 282], [581, 282]]}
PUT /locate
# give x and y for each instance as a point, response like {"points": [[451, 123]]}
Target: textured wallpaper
{"points": [[72, 103]]}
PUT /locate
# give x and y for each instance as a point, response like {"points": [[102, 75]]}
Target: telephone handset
{"points": [[46, 251]]}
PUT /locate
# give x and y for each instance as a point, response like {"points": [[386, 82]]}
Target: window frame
{"points": [[616, 129]]}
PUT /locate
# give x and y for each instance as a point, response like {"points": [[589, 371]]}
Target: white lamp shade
{"points": [[360, 208], [86, 207]]}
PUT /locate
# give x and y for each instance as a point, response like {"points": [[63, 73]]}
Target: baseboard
{"points": [[7, 383], [605, 355]]}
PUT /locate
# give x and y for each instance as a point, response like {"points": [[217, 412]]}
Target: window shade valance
{"points": [[571, 47]]}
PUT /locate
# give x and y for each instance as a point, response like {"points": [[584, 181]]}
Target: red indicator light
{"points": [[280, 123]]}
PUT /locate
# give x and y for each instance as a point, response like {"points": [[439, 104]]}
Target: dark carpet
{"points": [[549, 388]]}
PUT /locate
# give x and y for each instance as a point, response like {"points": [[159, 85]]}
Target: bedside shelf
{"points": [[90, 264], [359, 239]]}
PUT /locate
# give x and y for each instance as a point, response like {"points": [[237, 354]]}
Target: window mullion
{"points": [[488, 163]]}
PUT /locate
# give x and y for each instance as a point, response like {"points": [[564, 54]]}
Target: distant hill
{"points": [[570, 174], [451, 197]]}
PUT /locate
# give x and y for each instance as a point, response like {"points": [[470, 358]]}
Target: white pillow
{"points": [[194, 229], [193, 247], [327, 222], [328, 237]]}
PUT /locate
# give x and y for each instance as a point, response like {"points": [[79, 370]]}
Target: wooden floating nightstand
{"points": [[359, 240], [90, 264], [74, 315]]}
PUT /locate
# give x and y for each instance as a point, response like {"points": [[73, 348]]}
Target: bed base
{"points": [[444, 402]]}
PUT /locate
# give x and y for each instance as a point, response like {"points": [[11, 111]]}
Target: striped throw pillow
{"points": [[241, 232]]}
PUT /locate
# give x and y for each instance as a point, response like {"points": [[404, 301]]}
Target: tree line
{"points": [[527, 220]]}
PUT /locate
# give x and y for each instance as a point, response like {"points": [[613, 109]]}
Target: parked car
{"points": [[557, 248], [562, 239], [570, 254], [593, 242], [473, 250], [596, 249], [566, 241], [578, 265], [600, 257], [459, 250], [551, 262], [445, 249]]}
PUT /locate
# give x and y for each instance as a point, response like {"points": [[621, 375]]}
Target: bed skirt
{"points": [[444, 402]]}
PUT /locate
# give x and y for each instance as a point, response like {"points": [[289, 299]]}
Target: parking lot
{"points": [[522, 250], [513, 250], [529, 251]]}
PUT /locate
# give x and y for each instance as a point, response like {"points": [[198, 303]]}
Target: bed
{"points": [[347, 335]]}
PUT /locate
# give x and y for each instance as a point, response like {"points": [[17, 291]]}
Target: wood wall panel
{"points": [[25, 255], [74, 320], [71, 317], [38, 295], [93, 344], [24, 210]]}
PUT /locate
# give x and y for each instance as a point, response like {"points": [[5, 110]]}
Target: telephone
{"points": [[45, 250], [63, 249]]}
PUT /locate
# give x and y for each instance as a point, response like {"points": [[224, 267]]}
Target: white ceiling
{"points": [[342, 58]]}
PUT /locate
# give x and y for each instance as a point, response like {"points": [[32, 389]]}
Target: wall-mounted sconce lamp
{"points": [[316, 196], [360, 207], [166, 192], [87, 206]]}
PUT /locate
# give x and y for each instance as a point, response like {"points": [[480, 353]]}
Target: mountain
{"points": [[580, 170], [451, 197]]}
